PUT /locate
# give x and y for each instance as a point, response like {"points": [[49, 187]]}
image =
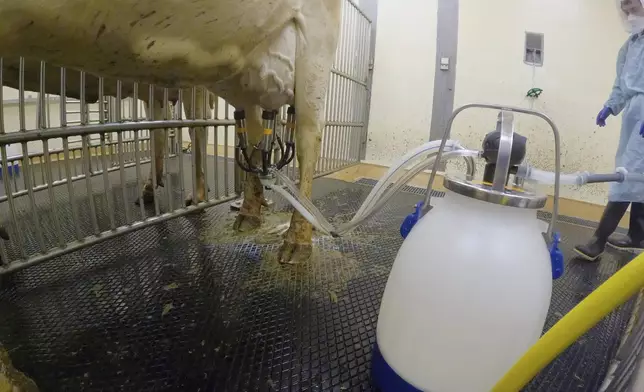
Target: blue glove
{"points": [[603, 115], [642, 129]]}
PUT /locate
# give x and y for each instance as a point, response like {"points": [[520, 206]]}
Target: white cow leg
{"points": [[158, 137], [297, 247], [200, 139], [312, 72], [250, 214]]}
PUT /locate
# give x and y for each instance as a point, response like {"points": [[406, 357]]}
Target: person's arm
{"points": [[617, 99]]}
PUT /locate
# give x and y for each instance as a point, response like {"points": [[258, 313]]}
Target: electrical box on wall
{"points": [[444, 63], [533, 53]]}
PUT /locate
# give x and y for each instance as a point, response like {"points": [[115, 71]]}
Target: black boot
{"points": [[634, 241], [613, 213]]}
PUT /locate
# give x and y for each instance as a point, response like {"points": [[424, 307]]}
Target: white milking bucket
{"points": [[470, 288]]}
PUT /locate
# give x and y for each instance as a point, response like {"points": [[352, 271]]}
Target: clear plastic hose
{"points": [[303, 201], [546, 177], [580, 178], [318, 224], [377, 200], [399, 167], [430, 148], [357, 220], [411, 173]]}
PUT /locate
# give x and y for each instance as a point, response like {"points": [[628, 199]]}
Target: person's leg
{"points": [[635, 238], [613, 213]]}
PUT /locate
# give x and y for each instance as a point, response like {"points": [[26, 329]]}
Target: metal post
{"points": [[370, 8], [444, 79]]}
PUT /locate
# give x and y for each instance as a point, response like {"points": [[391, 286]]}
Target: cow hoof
{"points": [[148, 198], [4, 234], [294, 253], [189, 200], [246, 223]]}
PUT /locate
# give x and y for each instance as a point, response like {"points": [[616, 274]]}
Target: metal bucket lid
{"points": [[511, 196]]}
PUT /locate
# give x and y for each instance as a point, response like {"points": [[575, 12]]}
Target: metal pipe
{"points": [[33, 172], [348, 77], [100, 237], [345, 84], [166, 153], [21, 94], [216, 142], [506, 120], [121, 168], [204, 145], [26, 161], [182, 185], [226, 117], [15, 178], [90, 192], [330, 126], [68, 171], [59, 166], [85, 158], [193, 156], [17, 234], [42, 123], [326, 136], [81, 130], [73, 179], [137, 155], [151, 116], [611, 177], [357, 8], [108, 187], [121, 152], [106, 180]]}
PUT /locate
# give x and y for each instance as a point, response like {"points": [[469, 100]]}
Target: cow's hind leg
{"points": [[158, 137], [250, 214], [297, 245], [312, 72]]}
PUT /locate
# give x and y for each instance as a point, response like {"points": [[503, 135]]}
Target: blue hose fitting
{"points": [[556, 257], [410, 220]]}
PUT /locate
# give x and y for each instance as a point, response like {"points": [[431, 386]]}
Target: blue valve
{"points": [[410, 220], [556, 257]]}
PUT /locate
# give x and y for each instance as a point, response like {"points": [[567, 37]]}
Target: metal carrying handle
{"points": [[504, 117], [506, 120]]}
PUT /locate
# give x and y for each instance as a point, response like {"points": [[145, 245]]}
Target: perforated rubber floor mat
{"points": [[185, 306]]}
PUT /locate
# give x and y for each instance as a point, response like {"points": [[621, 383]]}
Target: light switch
{"points": [[444, 63]]}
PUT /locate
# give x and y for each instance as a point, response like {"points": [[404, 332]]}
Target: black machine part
{"points": [[491, 144]]}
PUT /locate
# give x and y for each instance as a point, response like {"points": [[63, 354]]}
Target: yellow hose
{"points": [[606, 298]]}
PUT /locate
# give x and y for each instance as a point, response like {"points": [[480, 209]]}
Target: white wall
{"points": [[581, 43], [403, 79]]}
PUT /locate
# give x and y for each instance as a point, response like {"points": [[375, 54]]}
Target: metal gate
{"points": [[71, 180]]}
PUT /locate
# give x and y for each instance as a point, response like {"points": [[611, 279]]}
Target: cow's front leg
{"points": [[158, 138], [199, 140], [250, 214], [202, 109]]}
